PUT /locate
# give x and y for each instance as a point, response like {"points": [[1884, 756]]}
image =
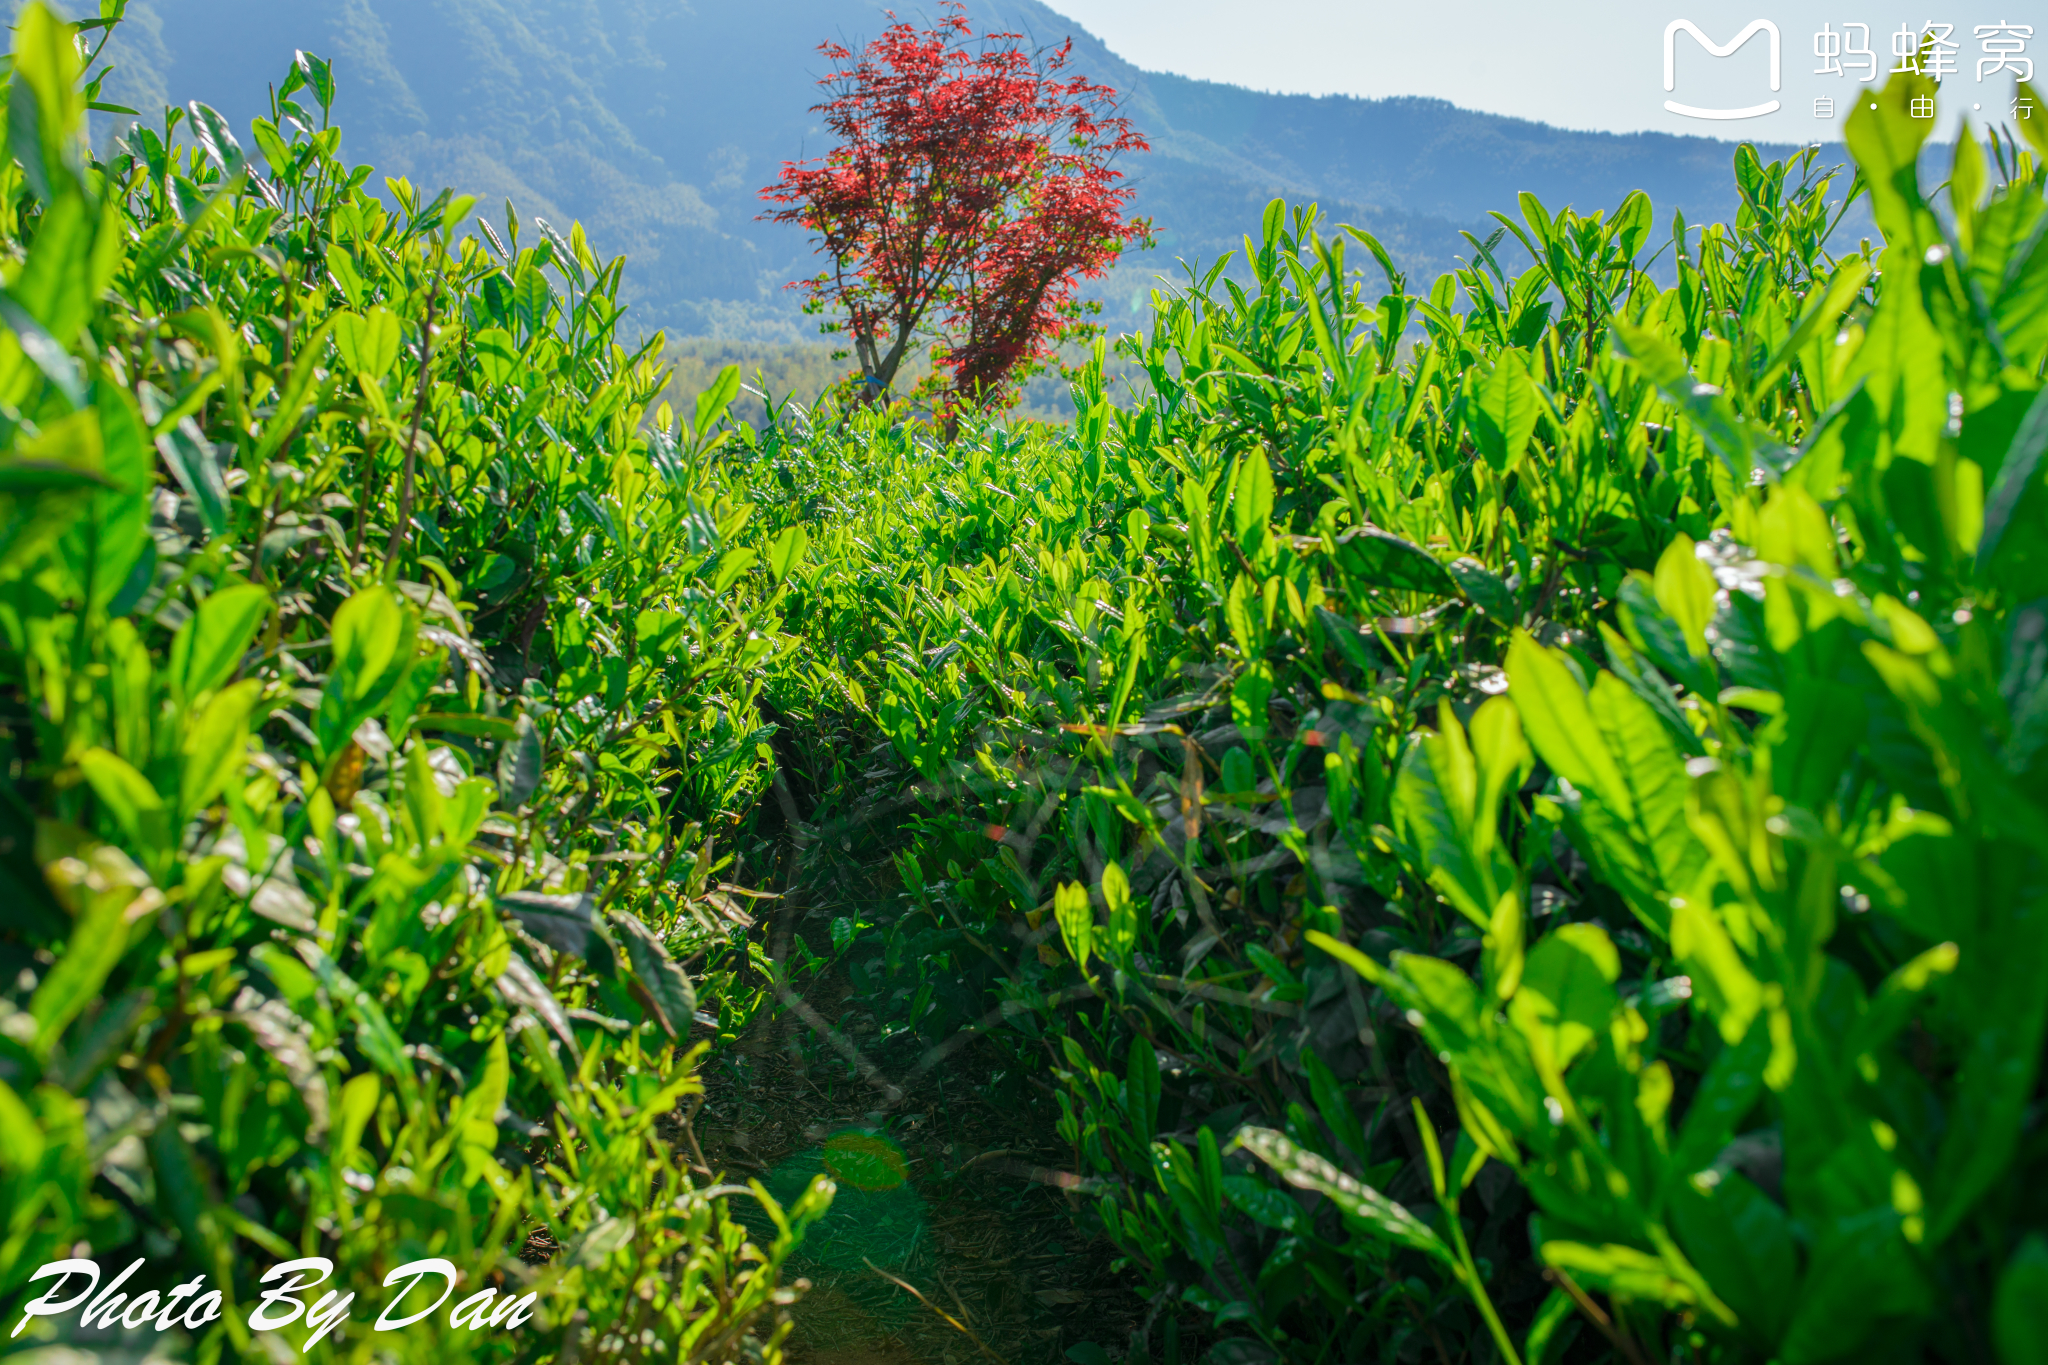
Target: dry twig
{"points": [[901, 1284]]}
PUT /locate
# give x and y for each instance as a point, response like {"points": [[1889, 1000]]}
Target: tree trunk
{"points": [[880, 373]]}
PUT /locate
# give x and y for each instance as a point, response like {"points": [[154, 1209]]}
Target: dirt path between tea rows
{"points": [[951, 1190]]}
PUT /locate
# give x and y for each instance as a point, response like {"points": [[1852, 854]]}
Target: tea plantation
{"points": [[1494, 819]]}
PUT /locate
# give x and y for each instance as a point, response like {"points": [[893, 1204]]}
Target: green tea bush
{"points": [[1527, 845], [374, 677]]}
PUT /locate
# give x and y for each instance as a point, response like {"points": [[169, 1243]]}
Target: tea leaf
{"points": [[1504, 409], [2016, 1321], [668, 986], [207, 648], [196, 466], [1377, 559], [1370, 1210], [1077, 922], [368, 342]]}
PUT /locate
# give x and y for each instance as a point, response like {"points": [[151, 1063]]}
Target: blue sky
{"points": [[1593, 64]]}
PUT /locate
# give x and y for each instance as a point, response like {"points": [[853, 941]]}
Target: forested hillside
{"points": [[655, 123]]}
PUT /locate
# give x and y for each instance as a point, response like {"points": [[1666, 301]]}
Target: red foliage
{"points": [[971, 190]]}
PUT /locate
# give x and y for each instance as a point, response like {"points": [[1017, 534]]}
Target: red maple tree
{"points": [[971, 189]]}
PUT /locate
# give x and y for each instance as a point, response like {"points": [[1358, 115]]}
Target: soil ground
{"points": [[951, 1190]]}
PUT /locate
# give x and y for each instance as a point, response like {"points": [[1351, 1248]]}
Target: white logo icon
{"points": [[1677, 26]]}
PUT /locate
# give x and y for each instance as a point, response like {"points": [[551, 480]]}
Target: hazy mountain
{"points": [[656, 122]]}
